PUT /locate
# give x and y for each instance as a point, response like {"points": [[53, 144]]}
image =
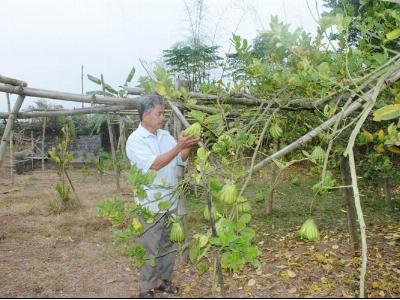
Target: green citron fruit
{"points": [[244, 207], [275, 131], [309, 230], [193, 130], [176, 234], [206, 214], [228, 194], [318, 154]]}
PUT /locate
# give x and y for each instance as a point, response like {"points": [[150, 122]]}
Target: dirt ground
{"points": [[72, 254]]}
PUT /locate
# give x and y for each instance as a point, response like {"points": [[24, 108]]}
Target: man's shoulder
{"points": [[135, 135], [164, 132]]}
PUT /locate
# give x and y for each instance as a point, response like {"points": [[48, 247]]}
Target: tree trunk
{"points": [[388, 193], [270, 199], [360, 217], [349, 204]]}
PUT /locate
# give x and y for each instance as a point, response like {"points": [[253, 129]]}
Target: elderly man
{"points": [[151, 148]]}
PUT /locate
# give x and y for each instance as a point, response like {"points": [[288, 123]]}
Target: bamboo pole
{"points": [[7, 131], [111, 135], [55, 113], [236, 98], [12, 81], [56, 95], [83, 103], [11, 145]]}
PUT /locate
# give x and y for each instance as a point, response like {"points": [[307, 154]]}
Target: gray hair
{"points": [[148, 102]]}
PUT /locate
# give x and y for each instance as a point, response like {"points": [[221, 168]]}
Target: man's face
{"points": [[155, 117]]}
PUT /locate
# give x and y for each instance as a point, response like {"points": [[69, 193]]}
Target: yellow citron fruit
{"points": [[136, 224], [193, 130], [381, 135], [379, 148]]}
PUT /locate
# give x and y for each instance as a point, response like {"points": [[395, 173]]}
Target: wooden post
{"points": [[83, 103], [43, 136], [349, 205], [33, 146], [11, 145], [111, 135], [122, 139], [7, 131]]}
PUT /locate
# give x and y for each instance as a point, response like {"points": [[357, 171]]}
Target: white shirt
{"points": [[142, 148]]}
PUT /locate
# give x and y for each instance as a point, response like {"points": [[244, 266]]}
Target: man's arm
{"points": [[185, 153], [183, 146]]}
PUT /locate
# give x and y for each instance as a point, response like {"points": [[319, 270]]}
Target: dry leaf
{"points": [[111, 280], [291, 274], [251, 282]]}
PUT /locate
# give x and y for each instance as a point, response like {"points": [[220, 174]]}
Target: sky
{"points": [[45, 42]]}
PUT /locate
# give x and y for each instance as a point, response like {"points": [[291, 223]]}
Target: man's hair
{"points": [[147, 103]]}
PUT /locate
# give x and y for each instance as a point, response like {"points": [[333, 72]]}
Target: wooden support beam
{"points": [[7, 131], [70, 112], [12, 81], [56, 95]]}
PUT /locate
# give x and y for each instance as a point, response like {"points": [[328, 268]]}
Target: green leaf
{"points": [[194, 250], [323, 69], [110, 89], [245, 218], [394, 34], [164, 205], [252, 253], [130, 76], [201, 267], [94, 79], [387, 112]]}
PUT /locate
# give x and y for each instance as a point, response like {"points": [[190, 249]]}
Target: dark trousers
{"points": [[158, 245]]}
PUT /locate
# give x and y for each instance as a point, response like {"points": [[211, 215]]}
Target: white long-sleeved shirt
{"points": [[142, 148]]}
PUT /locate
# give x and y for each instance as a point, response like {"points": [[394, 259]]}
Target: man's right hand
{"points": [[185, 142]]}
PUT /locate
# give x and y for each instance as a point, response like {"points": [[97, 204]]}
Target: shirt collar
{"points": [[145, 133]]}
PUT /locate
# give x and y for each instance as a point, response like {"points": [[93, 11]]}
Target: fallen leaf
{"points": [[251, 282], [291, 274], [111, 280]]}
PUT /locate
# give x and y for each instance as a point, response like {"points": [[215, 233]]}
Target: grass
{"points": [[291, 208]]}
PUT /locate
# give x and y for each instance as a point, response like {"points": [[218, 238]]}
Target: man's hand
{"points": [[186, 142]]}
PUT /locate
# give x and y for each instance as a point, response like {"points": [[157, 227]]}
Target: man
{"points": [[152, 148]]}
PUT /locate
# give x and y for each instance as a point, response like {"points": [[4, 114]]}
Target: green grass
{"points": [[291, 208]]}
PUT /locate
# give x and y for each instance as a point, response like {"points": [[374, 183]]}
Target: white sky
{"points": [[45, 42]]}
